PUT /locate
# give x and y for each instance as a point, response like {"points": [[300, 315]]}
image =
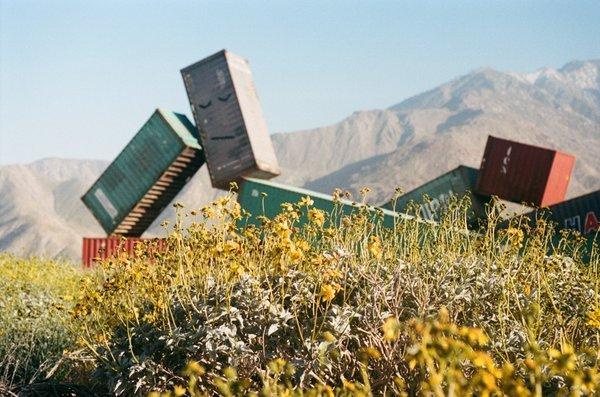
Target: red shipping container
{"points": [[98, 248], [524, 173]]}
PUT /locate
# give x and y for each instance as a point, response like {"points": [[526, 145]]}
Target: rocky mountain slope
{"points": [[402, 146], [434, 132]]}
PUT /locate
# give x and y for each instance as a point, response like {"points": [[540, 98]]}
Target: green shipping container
{"points": [[147, 174], [459, 182], [260, 197]]}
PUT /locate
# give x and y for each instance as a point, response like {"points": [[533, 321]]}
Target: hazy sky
{"points": [[78, 78]]}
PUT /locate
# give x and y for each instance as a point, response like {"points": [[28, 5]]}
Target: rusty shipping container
{"points": [[148, 173], [98, 248], [230, 120], [524, 173], [459, 182]]}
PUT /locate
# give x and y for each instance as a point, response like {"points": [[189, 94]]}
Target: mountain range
{"points": [[402, 146]]}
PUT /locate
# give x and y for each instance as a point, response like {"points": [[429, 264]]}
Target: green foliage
{"points": [[338, 306], [35, 326], [317, 296]]}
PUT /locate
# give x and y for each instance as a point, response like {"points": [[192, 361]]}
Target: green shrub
{"points": [[317, 298], [36, 296]]}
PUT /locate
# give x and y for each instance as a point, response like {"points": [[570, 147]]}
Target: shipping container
{"points": [[523, 173], [580, 214], [99, 248], [264, 198], [458, 183], [148, 173], [230, 120]]}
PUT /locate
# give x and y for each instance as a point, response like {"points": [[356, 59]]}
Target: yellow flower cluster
{"points": [[594, 318], [515, 236], [374, 247], [328, 291], [316, 216]]}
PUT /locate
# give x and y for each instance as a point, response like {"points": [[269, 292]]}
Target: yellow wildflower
{"points": [[295, 254], [374, 247], [316, 216], [350, 386], [231, 246], [306, 202], [287, 207], [564, 359], [515, 236], [594, 318], [208, 211], [277, 365], [328, 292], [282, 229], [179, 390], [489, 381], [482, 360], [391, 328], [368, 353], [475, 336], [303, 245], [328, 336], [530, 364]]}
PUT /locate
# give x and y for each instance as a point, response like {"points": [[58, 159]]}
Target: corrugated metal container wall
{"points": [[146, 175], [459, 182], [264, 198], [524, 173], [580, 213], [99, 248], [230, 120]]}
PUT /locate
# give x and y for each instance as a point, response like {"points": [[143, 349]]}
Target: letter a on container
{"points": [[229, 118]]}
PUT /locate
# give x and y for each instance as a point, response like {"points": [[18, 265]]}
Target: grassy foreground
{"points": [[340, 306]]}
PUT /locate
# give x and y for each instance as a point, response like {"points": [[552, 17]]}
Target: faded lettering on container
{"points": [[106, 204]]}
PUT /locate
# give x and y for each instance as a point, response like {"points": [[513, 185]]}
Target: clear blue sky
{"points": [[78, 78]]}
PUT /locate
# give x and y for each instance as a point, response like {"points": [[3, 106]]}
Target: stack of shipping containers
{"points": [[167, 152], [231, 136], [538, 177], [148, 173]]}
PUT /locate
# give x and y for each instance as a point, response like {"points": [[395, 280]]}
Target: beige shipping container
{"points": [[229, 118]]}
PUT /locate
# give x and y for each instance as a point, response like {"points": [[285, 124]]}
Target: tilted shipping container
{"points": [[524, 173], [459, 182], [146, 175], [96, 249], [230, 120], [264, 198]]}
